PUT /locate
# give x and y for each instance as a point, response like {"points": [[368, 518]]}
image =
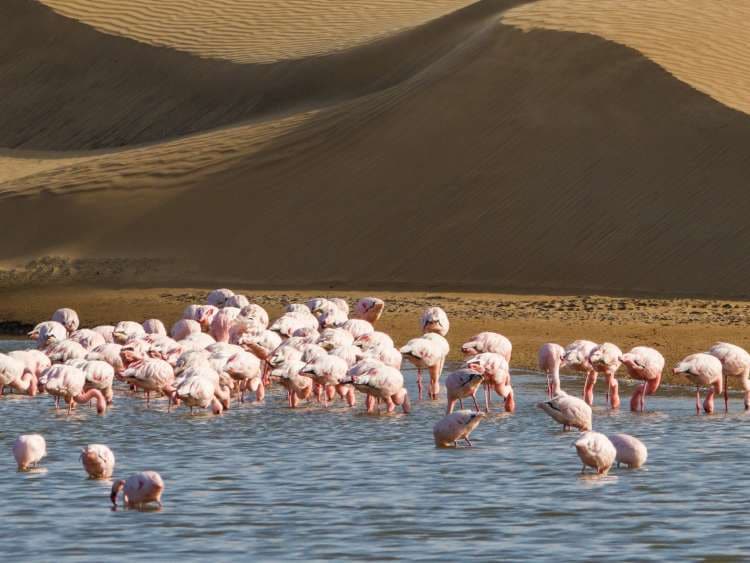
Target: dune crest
{"points": [[255, 31], [705, 43]]}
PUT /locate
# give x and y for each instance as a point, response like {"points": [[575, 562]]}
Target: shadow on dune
{"points": [[463, 155]]}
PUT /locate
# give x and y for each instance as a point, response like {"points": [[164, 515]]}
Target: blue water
{"points": [[270, 483]]}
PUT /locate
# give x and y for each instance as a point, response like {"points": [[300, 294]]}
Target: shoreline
{"points": [[676, 326]]}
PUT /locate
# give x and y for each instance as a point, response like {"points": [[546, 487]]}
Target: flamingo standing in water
{"points": [[98, 461], [28, 450], [630, 450], [597, 451], [550, 359], [494, 368], [456, 426], [735, 362], [645, 364], [67, 383], [702, 370], [567, 410], [577, 357], [425, 353], [605, 359], [461, 385], [139, 489]]}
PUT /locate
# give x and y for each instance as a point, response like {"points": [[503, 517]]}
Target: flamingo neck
{"points": [[101, 402]]}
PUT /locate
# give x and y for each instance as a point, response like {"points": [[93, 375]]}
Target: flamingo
{"points": [[494, 368], [139, 489], [567, 410], [151, 375], [154, 326], [358, 327], [456, 426], [127, 330], [369, 309], [184, 328], [434, 319], [298, 386], [630, 450], [460, 385], [425, 354], [596, 450], [88, 338], [703, 370], [735, 362], [244, 368], [66, 350], [222, 322], [645, 364], [98, 461], [577, 358], [14, 373], [99, 375], [28, 450], [238, 301], [48, 334], [106, 331], [67, 383], [218, 297], [605, 359], [68, 318], [550, 358], [330, 371], [199, 386], [487, 342], [382, 383]]}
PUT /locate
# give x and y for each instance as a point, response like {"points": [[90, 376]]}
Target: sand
{"points": [[674, 327], [420, 146], [704, 43]]}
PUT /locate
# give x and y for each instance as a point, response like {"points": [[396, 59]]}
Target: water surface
{"points": [[268, 482]]}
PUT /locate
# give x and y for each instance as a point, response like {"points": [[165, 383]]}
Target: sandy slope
{"points": [[255, 30], [706, 43], [463, 153]]}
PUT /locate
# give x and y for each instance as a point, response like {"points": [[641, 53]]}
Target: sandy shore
{"points": [[676, 327]]}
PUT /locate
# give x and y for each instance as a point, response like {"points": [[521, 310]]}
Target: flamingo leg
{"points": [[726, 394], [697, 401], [461, 402], [468, 441], [419, 382], [476, 405], [486, 397]]}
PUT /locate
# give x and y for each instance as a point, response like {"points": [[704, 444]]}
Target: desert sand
{"points": [[409, 146]]}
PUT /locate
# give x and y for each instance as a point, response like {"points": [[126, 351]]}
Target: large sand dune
{"points": [[461, 152]]}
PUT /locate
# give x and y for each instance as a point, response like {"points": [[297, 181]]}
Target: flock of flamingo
{"points": [[226, 349]]}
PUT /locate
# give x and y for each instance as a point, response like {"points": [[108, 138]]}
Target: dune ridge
{"points": [[462, 154], [255, 31], [702, 42]]}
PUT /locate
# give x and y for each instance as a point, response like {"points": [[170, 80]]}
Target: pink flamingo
{"points": [[330, 372], [67, 383], [645, 364], [456, 426], [597, 451], [88, 338], [425, 354], [735, 362], [577, 358], [98, 461], [151, 375], [487, 342], [68, 318], [28, 450], [298, 387], [494, 368], [154, 326], [461, 385], [550, 359], [139, 489], [381, 383], [630, 450], [702, 370], [605, 359], [567, 410], [66, 350], [48, 334], [434, 319], [218, 297], [369, 309], [14, 373]]}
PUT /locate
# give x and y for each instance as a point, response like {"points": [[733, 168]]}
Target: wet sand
{"points": [[676, 327]]}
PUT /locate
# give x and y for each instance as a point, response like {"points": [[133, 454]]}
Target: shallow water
{"points": [[273, 483]]}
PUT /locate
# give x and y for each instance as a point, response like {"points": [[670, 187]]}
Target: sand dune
{"points": [[459, 154], [255, 31], [702, 42]]}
